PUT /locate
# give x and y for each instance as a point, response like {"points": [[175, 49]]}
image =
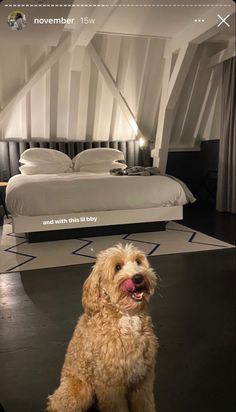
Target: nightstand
{"points": [[2, 197]]}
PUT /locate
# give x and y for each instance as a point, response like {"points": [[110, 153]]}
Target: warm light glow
{"points": [[142, 142]]}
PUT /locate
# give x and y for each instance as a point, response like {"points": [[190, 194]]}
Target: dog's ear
{"points": [[91, 292]]}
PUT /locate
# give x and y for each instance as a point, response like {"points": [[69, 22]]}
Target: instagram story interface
{"points": [[140, 77]]}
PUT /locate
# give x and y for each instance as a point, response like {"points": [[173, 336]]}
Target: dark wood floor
{"points": [[193, 314], [204, 218]]}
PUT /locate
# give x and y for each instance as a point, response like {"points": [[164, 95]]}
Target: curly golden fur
{"points": [[110, 359]]}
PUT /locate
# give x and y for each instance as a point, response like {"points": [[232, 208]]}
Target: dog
{"points": [[110, 359]]}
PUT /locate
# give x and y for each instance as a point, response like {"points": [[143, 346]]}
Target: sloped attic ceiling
{"points": [[198, 113], [75, 102], [70, 97]]}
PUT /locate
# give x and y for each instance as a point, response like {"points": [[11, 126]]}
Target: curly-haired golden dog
{"points": [[111, 357]]}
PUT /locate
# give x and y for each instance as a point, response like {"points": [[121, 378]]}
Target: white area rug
{"points": [[16, 254]]}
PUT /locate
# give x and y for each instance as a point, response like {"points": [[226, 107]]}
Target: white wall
{"points": [[73, 101]]}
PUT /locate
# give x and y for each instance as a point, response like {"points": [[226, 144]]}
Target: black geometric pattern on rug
{"points": [[81, 251], [156, 245], [88, 242], [193, 234], [30, 257]]}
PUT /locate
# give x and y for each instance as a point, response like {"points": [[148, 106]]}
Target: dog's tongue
{"points": [[128, 285]]}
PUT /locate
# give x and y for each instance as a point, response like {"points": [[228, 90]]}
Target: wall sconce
{"points": [[142, 142]]}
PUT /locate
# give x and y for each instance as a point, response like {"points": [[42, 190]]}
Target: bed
{"points": [[52, 202], [67, 205]]}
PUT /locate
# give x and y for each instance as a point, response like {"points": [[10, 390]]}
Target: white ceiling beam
{"points": [[103, 119], [91, 19], [162, 111], [73, 104], [84, 98], [203, 108], [143, 79], [67, 44], [78, 58], [198, 33], [171, 88], [44, 67], [222, 56], [180, 72], [195, 93], [99, 17], [103, 70], [26, 103], [119, 75], [214, 87]]}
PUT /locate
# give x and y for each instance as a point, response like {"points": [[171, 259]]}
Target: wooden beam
{"points": [[78, 58], [198, 33], [192, 99], [26, 103], [65, 65], [100, 16], [66, 44], [84, 98], [51, 112], [73, 105], [47, 98], [103, 70], [143, 80], [180, 72], [223, 55], [92, 100], [119, 75], [171, 88], [212, 88], [105, 101], [162, 110], [45, 66]]}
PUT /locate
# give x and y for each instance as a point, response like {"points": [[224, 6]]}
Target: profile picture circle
{"points": [[16, 20]]}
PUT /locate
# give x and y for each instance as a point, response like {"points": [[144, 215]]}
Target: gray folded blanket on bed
{"points": [[151, 171], [135, 171]]}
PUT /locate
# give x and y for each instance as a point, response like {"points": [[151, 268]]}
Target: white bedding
{"points": [[37, 195]]}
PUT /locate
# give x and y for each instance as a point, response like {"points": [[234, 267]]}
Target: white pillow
{"points": [[91, 156], [102, 167], [38, 155], [44, 168]]}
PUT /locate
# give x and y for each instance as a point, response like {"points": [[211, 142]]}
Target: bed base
{"points": [[34, 237], [100, 223]]}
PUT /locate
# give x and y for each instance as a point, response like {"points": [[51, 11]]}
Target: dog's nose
{"points": [[138, 279]]}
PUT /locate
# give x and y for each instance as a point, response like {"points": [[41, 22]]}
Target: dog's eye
{"points": [[138, 261], [118, 267]]}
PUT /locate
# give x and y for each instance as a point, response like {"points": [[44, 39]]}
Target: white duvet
{"points": [[37, 195]]}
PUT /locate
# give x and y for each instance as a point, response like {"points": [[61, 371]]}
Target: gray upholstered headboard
{"points": [[10, 152]]}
